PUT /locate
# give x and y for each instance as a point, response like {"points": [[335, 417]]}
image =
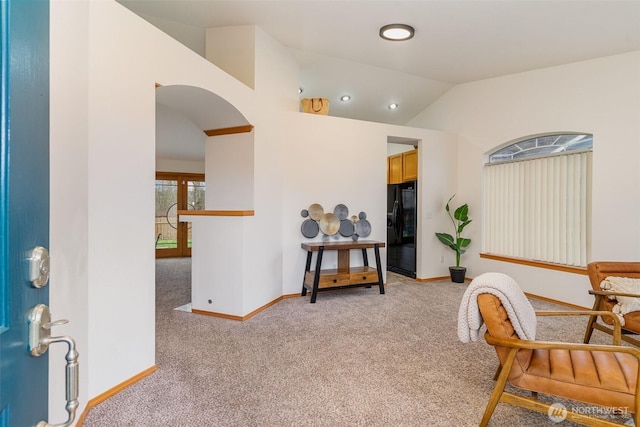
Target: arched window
{"points": [[537, 193], [541, 146]]}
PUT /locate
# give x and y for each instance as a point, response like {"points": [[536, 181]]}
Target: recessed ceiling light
{"points": [[397, 32], [393, 106], [299, 90], [345, 97]]}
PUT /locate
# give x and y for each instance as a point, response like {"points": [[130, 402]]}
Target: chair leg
{"points": [[499, 388], [497, 374], [589, 331], [592, 319]]}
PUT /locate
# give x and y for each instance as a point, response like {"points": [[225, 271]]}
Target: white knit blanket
{"points": [[625, 285], [521, 313]]}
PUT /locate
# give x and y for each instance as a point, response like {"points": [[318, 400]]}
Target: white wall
{"points": [[229, 172], [393, 148], [103, 145], [601, 97], [331, 160], [105, 63], [243, 172], [69, 217], [437, 160], [104, 66], [177, 137], [218, 264], [276, 82], [192, 37], [180, 166], [233, 50]]}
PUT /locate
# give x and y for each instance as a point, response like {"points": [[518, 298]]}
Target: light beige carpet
{"points": [[355, 358]]}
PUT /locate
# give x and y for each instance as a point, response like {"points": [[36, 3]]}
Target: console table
{"points": [[345, 275]]}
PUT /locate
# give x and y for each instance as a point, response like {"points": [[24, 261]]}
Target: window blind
{"points": [[538, 208]]}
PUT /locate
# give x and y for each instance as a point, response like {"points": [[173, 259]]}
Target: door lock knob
{"points": [[39, 267]]}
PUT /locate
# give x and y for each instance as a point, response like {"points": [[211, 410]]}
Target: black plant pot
{"points": [[457, 274]]}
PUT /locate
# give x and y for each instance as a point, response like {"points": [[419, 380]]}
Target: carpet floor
{"points": [[354, 358]]}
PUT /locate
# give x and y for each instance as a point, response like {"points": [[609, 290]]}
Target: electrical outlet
{"points": [[441, 259]]}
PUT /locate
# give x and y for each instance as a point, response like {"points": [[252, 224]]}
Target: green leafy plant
{"points": [[460, 220]]}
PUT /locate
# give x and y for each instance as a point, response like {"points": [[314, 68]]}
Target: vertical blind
{"points": [[539, 209]]}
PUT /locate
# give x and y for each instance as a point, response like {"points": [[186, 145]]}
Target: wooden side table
{"points": [[344, 276]]}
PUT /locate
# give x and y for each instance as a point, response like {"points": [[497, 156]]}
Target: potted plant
{"points": [[458, 244]]}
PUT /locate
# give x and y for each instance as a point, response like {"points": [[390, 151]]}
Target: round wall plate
{"points": [[341, 211], [315, 211], [329, 224], [363, 228], [309, 228], [346, 228]]}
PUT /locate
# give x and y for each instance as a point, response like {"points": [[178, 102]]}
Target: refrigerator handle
{"points": [[394, 213], [394, 218]]}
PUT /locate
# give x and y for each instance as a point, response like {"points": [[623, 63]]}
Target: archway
{"points": [[185, 117]]}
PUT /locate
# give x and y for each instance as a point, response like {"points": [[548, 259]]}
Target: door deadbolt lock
{"points": [[39, 267]]}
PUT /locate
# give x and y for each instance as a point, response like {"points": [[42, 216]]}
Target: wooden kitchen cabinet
{"points": [[402, 167], [410, 165], [394, 169]]}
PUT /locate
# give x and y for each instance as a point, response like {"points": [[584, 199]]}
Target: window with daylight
{"points": [[176, 192], [537, 199]]}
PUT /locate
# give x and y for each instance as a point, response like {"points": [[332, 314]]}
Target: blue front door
{"points": [[24, 203]]}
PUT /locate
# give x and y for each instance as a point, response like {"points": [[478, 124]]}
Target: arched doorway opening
{"points": [[186, 116]]}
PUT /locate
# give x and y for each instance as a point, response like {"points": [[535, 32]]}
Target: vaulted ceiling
{"points": [[337, 46]]}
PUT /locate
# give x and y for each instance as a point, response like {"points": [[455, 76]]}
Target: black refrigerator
{"points": [[402, 228]]}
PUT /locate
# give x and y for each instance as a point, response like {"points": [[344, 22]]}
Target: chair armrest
{"points": [[573, 313], [556, 345], [608, 293], [617, 329]]}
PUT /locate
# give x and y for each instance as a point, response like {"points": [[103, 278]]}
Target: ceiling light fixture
{"points": [[397, 32], [299, 90], [393, 106], [345, 97]]}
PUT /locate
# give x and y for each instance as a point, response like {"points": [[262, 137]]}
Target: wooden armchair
{"points": [[603, 375], [598, 271]]}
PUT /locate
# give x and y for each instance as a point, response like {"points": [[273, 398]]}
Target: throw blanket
{"points": [[521, 313], [626, 285]]}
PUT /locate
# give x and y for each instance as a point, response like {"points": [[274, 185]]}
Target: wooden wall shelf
{"points": [[216, 213]]}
